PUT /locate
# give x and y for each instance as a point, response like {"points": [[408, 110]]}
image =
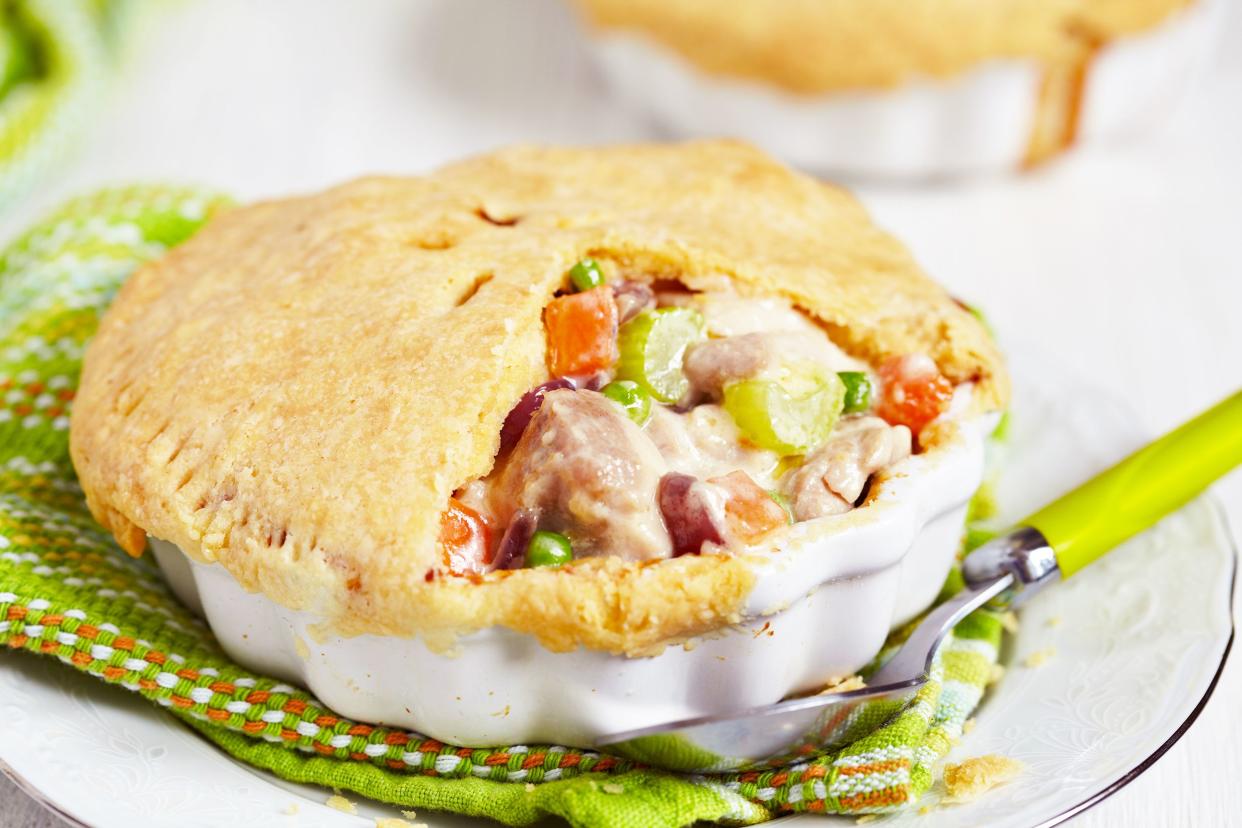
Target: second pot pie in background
{"points": [[893, 88], [577, 404]]}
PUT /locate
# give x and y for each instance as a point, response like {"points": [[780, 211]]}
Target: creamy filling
{"points": [[704, 442], [764, 421]]}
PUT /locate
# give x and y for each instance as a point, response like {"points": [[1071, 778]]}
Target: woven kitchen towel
{"points": [[54, 57], [67, 591]]}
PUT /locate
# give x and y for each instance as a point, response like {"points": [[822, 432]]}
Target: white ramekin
{"points": [[821, 607], [979, 121]]}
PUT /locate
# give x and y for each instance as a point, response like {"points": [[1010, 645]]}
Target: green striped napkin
{"points": [[68, 592]]}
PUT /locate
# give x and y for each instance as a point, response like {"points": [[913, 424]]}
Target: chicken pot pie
{"points": [[901, 87], [576, 393]]}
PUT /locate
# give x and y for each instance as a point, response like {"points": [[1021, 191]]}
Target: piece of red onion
{"points": [[688, 515], [519, 417], [511, 554]]}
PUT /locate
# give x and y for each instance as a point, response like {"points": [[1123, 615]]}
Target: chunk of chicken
{"points": [[714, 363], [589, 473], [632, 298], [831, 479]]}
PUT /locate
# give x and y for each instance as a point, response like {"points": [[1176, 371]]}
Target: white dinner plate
{"points": [[1138, 641]]}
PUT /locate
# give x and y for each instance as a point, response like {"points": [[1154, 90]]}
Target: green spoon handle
{"points": [[1149, 484]]}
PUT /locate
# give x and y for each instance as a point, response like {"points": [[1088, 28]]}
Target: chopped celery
{"points": [[652, 346], [790, 416]]}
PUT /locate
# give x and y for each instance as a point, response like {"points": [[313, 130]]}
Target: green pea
{"points": [[633, 399], [549, 549], [857, 391], [586, 275]]}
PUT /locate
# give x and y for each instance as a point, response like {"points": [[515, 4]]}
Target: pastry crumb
{"points": [[410, 814], [1040, 657], [1009, 621], [340, 803], [291, 809], [925, 810], [865, 819], [1054, 621], [613, 788], [391, 822], [973, 778], [997, 673], [530, 787], [844, 685], [968, 725]]}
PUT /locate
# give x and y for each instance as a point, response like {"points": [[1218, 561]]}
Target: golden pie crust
{"points": [[296, 391], [818, 46]]}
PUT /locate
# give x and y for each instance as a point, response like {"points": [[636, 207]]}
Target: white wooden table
{"points": [[1126, 263]]}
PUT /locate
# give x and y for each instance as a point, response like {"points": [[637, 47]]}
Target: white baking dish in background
{"points": [[825, 598], [979, 121]]}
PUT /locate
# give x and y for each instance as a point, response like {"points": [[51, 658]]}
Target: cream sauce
{"points": [[705, 443], [592, 474]]}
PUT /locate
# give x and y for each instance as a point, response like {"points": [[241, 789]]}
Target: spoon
{"points": [[1052, 544]]}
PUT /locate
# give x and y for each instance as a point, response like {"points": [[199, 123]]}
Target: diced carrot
{"points": [[582, 332], [749, 510], [465, 539], [915, 392]]}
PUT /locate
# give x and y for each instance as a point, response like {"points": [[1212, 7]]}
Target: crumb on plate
{"points": [[972, 778], [1054, 621], [613, 788], [997, 673], [291, 809], [844, 685], [410, 814], [1039, 657], [340, 803], [530, 787], [968, 725], [391, 822]]}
